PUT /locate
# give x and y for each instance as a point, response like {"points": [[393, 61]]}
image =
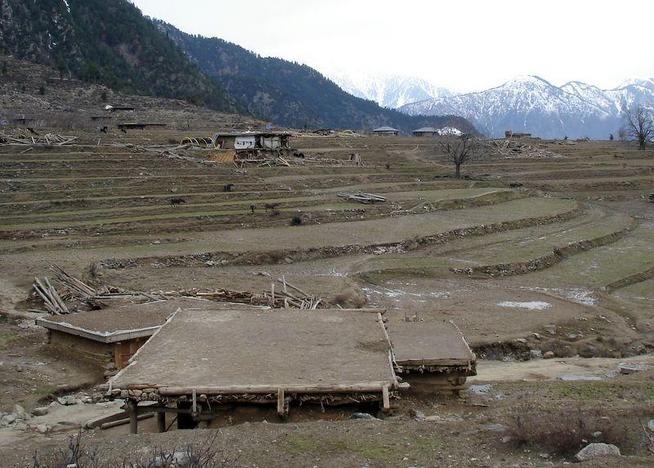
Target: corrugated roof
{"points": [[426, 130]]}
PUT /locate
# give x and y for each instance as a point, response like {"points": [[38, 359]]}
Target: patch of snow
{"points": [[67, 5], [451, 131], [578, 295], [531, 305]]}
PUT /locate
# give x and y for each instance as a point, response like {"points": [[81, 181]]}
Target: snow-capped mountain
{"points": [[533, 105], [390, 91]]}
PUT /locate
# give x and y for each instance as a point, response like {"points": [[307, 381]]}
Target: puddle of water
{"points": [[531, 305]]}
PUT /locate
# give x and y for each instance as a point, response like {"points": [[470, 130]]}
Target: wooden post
{"points": [[386, 398], [161, 421], [133, 416], [282, 409]]}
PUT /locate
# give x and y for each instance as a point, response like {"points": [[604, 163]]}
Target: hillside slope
{"points": [[291, 94], [108, 42]]}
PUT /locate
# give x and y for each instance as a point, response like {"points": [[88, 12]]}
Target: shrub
{"points": [[296, 221], [567, 430]]}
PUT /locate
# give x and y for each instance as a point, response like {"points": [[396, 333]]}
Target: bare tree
{"points": [[461, 149], [639, 124]]}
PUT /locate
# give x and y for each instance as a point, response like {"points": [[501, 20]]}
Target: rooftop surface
{"points": [[123, 322], [218, 351], [431, 343]]}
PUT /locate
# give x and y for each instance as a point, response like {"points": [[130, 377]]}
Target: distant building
{"points": [[512, 134], [426, 132], [387, 131], [251, 141]]}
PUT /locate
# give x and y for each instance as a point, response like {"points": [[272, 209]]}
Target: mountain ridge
{"points": [[390, 90], [534, 105], [292, 94]]}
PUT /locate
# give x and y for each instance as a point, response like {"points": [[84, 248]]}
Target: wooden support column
{"points": [[161, 421], [132, 410], [282, 407], [386, 399]]}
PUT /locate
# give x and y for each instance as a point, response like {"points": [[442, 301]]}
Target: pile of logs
{"points": [[73, 284], [53, 302], [81, 294], [22, 138], [284, 298], [361, 197]]}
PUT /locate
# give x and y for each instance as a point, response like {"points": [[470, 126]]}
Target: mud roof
{"points": [[121, 323], [258, 351]]}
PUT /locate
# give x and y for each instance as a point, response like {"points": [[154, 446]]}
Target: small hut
{"points": [[425, 132], [386, 131]]}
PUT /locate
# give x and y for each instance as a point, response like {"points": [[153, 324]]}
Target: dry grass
{"points": [[565, 431], [203, 454]]}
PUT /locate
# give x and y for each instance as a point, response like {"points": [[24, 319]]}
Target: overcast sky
{"points": [[459, 44]]}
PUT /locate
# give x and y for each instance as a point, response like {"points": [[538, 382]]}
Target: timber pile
{"points": [[284, 298], [288, 296], [80, 293], [361, 197], [51, 298], [73, 284], [23, 138]]}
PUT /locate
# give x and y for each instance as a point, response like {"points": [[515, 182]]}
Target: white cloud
{"points": [[457, 44]]}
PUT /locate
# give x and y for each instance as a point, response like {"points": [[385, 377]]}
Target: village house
{"points": [[426, 132], [251, 141], [385, 131]]}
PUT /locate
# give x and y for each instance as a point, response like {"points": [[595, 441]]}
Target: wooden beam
{"points": [[372, 387]]}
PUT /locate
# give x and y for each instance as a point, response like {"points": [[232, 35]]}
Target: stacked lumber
{"points": [[362, 197], [73, 284], [53, 302]]}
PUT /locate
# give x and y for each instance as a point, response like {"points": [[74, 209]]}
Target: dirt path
{"points": [[568, 369]]}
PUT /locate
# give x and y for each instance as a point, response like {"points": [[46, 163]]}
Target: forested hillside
{"points": [[108, 42], [289, 93]]}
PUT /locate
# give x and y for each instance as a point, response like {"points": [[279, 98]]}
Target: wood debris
{"points": [[51, 298], [23, 137], [361, 197]]}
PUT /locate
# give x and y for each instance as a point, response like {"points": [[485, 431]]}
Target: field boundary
{"points": [[221, 258], [543, 262]]}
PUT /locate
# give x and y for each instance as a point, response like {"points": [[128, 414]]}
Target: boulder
{"points": [[20, 412], [68, 400], [8, 419], [548, 355], [417, 415], [40, 411], [42, 428], [650, 425], [597, 450]]}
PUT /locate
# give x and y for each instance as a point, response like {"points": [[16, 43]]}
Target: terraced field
{"points": [[474, 241]]}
